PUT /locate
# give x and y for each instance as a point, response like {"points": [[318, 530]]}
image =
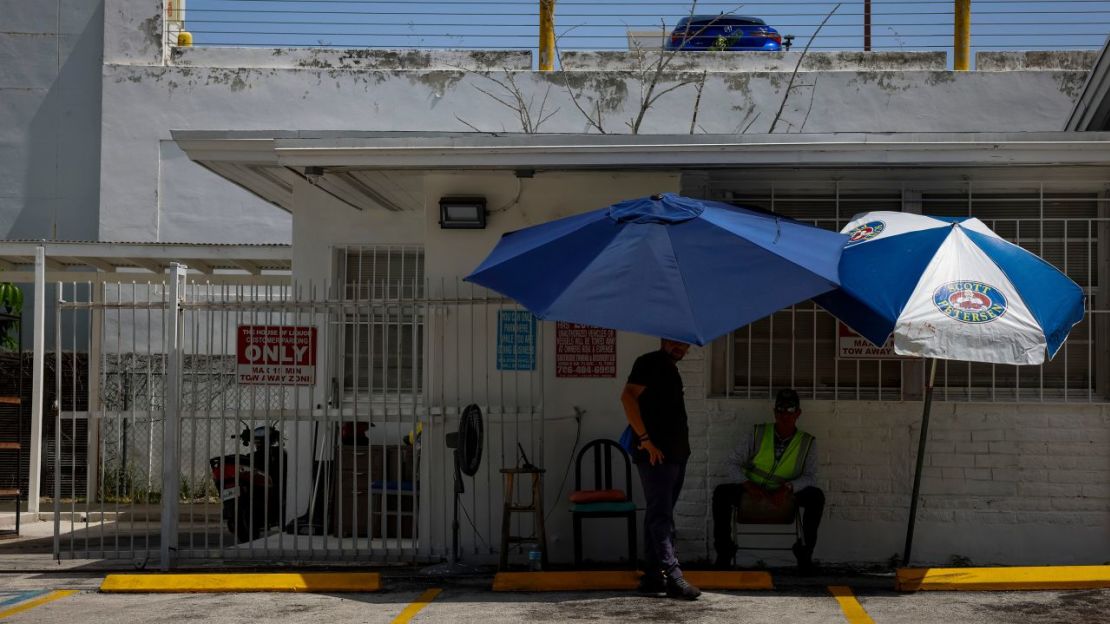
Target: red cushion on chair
{"points": [[597, 496]]}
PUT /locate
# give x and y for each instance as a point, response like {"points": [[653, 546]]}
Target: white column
{"points": [[34, 474], [92, 462], [171, 429]]}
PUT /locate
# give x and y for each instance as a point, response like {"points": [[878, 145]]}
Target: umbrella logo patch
{"points": [[968, 301], [865, 232]]}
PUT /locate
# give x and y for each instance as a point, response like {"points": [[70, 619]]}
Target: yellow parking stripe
{"points": [[418, 604], [853, 610], [243, 582], [1004, 578], [37, 602], [617, 580]]}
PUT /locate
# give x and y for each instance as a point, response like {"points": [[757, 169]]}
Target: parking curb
{"points": [[1003, 578], [243, 582], [618, 580]]}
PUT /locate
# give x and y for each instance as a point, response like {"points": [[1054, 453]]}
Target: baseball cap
{"points": [[787, 399]]}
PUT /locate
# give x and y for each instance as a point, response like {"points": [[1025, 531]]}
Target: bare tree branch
{"points": [[648, 97], [574, 97], [669, 89], [750, 123], [812, 92], [495, 98], [513, 98], [697, 101], [789, 86], [467, 124]]}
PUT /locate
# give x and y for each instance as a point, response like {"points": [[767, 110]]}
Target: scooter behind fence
{"points": [[252, 485]]}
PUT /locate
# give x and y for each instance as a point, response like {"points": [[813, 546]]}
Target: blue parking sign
{"points": [[516, 340]]}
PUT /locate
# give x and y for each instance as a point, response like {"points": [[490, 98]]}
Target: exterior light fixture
{"points": [[462, 213]]}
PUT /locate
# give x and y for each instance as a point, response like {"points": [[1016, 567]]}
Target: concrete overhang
{"points": [[98, 261], [1092, 110], [336, 159]]}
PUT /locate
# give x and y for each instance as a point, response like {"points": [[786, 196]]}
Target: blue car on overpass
{"points": [[703, 33]]}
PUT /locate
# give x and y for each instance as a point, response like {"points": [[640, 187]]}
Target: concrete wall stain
{"points": [[1070, 82], [152, 28], [487, 60], [438, 81], [817, 62], [890, 82], [739, 82], [1076, 60], [608, 89], [938, 78]]}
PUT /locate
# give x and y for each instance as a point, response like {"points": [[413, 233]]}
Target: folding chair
{"points": [[762, 513]]}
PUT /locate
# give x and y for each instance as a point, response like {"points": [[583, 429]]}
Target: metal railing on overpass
{"points": [[848, 25]]}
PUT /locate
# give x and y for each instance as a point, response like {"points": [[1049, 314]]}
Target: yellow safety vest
{"points": [[764, 471]]}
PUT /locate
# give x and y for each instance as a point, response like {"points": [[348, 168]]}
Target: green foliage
{"points": [[128, 485], [125, 484], [11, 302], [199, 490], [723, 43]]}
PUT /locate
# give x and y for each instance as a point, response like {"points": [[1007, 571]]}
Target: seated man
{"points": [[776, 461]]}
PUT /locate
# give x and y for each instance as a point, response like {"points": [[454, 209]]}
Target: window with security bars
{"points": [[799, 347], [383, 328]]}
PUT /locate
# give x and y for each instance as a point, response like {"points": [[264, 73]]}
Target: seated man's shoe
{"points": [[804, 555], [680, 588], [652, 584]]}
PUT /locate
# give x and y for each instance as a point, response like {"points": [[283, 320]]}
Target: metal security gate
{"points": [[279, 425]]}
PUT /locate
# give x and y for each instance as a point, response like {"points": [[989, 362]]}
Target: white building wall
{"points": [[1002, 483], [150, 90], [50, 62]]}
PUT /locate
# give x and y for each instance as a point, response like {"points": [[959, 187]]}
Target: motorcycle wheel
{"points": [[243, 532]]}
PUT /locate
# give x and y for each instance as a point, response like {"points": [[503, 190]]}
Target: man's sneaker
{"points": [[652, 584], [679, 588]]}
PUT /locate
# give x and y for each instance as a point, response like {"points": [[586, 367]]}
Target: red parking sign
{"points": [[276, 355]]}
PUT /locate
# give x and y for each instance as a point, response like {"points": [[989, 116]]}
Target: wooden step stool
{"points": [[535, 507]]}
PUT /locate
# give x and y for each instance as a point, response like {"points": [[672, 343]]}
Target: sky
{"points": [[594, 25]]}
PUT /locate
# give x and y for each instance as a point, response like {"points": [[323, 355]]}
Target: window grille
{"points": [[798, 346], [383, 330]]}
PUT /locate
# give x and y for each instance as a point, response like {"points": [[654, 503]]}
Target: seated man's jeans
{"points": [[727, 496]]}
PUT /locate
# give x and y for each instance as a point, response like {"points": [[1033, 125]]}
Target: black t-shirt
{"points": [[662, 406]]}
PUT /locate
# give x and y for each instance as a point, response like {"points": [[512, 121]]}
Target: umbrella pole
{"points": [[920, 461]]}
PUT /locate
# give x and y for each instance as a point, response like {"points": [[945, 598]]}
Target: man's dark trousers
{"points": [[727, 496], [662, 484]]}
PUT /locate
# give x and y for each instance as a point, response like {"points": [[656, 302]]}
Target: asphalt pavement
{"points": [[35, 588]]}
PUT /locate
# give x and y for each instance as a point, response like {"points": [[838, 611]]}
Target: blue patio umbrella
{"points": [[666, 265], [949, 288]]}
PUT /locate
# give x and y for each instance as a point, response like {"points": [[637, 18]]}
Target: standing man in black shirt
{"points": [[656, 409]]}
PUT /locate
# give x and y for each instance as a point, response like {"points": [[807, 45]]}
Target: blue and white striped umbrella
{"points": [[950, 288]]}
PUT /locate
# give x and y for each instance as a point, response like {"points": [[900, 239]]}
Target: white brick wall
{"points": [[1003, 483]]}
